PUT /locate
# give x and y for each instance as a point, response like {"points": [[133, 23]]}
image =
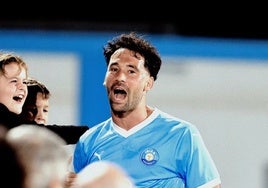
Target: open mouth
{"points": [[18, 98], [119, 93]]}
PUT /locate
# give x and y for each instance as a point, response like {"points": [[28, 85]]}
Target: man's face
{"points": [[127, 81], [13, 90]]}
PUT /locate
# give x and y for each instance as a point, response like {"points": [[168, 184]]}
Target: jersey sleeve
{"points": [[200, 168], [79, 157]]}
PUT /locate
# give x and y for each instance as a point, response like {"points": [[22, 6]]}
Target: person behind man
{"points": [[36, 111], [13, 88], [155, 148], [13, 93], [42, 154], [36, 106]]}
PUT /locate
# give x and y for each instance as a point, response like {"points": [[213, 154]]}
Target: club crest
{"points": [[149, 156]]}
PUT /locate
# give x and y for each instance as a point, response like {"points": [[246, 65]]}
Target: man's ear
{"points": [[149, 84]]}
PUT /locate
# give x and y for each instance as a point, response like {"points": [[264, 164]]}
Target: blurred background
{"points": [[214, 74]]}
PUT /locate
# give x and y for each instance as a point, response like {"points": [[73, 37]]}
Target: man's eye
{"points": [[131, 71]]}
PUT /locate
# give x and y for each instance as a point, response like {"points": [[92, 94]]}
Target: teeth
{"points": [[20, 96]]}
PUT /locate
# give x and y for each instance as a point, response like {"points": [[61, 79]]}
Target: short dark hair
{"points": [[29, 109], [136, 43]]}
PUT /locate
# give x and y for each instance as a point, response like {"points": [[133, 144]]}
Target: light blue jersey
{"points": [[160, 152]]}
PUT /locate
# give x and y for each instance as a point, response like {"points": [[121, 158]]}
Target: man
{"points": [[155, 148]]}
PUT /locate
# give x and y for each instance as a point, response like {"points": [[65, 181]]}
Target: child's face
{"points": [[13, 90], [42, 106]]}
